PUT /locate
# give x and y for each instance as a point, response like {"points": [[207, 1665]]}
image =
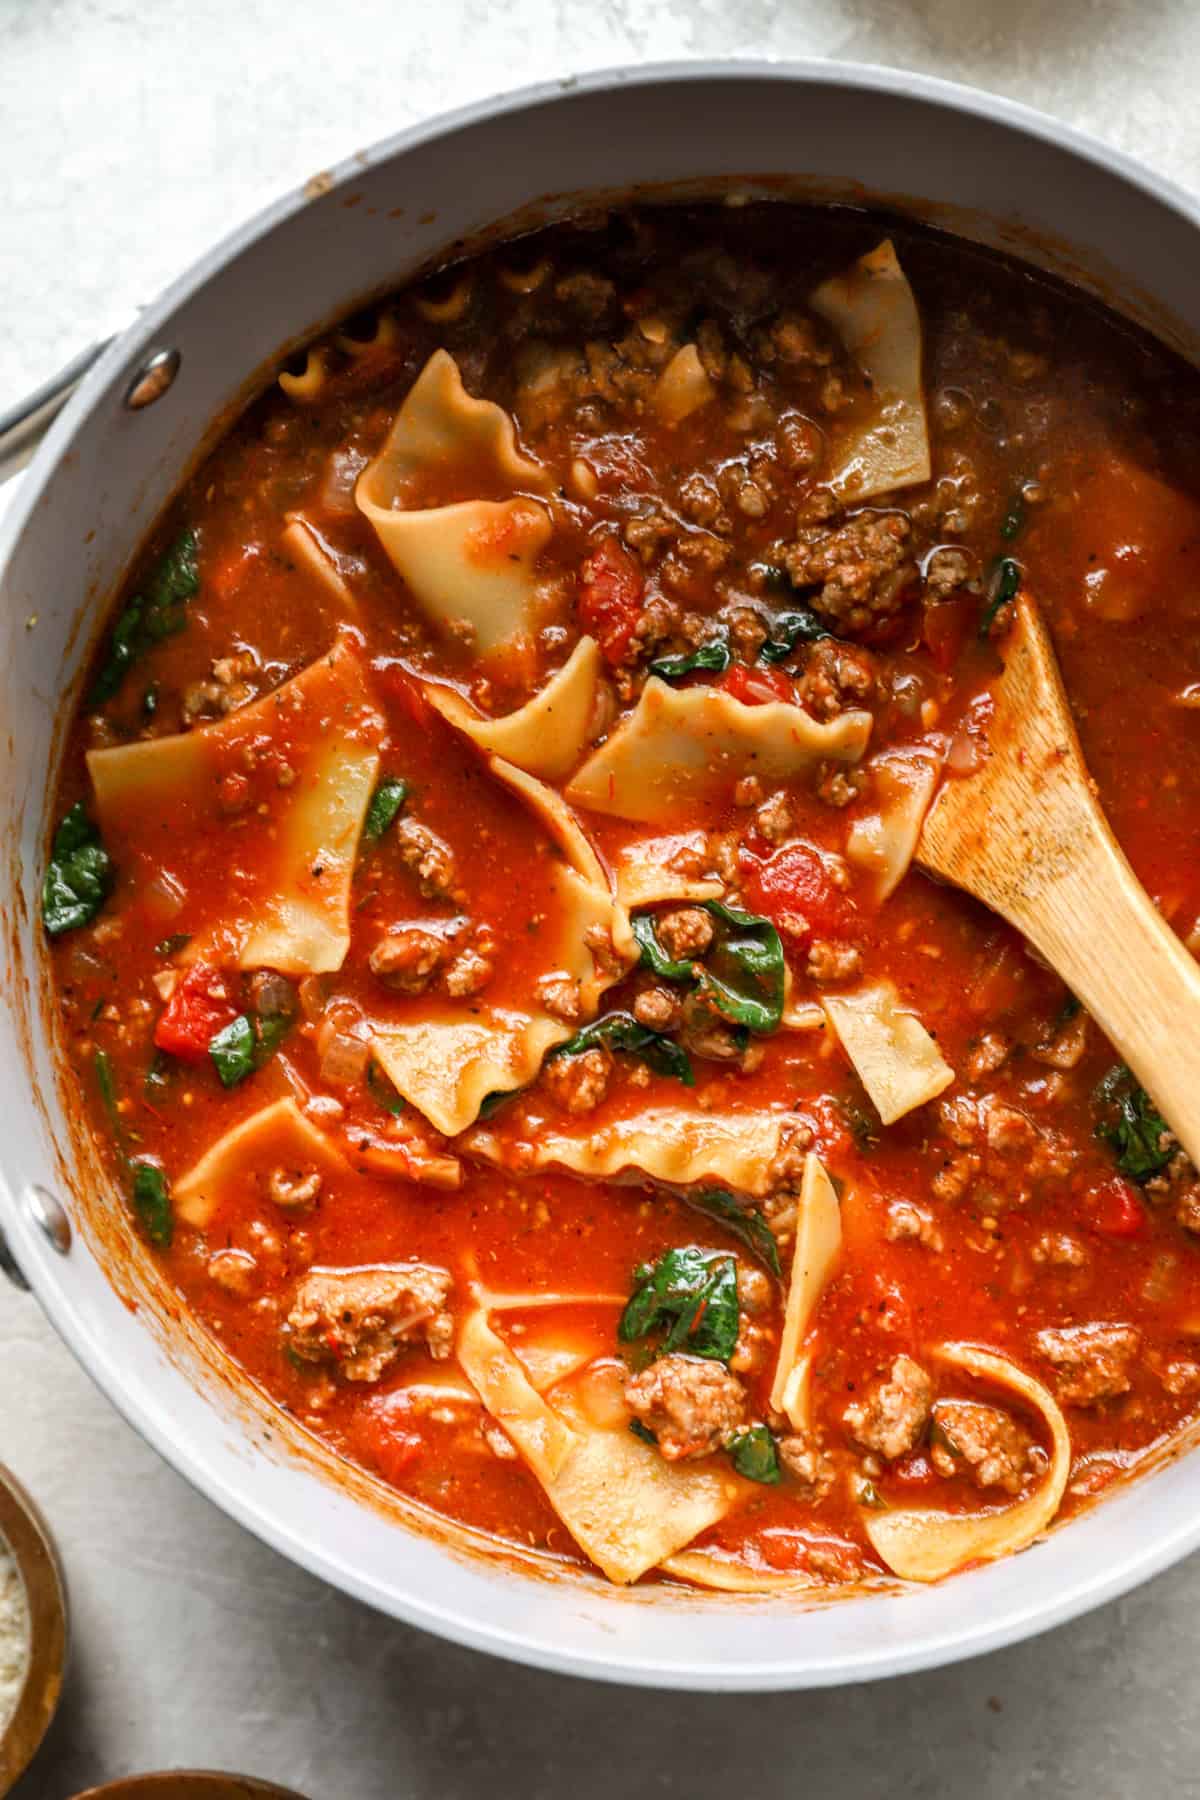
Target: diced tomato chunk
{"points": [[383, 1436], [793, 889], [755, 687], [610, 598], [946, 626], [406, 690], [200, 1007], [227, 576], [1115, 1208], [914, 1470]]}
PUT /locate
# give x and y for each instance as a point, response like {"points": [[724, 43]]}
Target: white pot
{"points": [[972, 163]]}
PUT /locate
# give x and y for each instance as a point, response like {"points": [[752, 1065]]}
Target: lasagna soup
{"points": [[486, 919]]}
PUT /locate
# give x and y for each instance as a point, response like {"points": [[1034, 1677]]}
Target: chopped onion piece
{"points": [[344, 1059]]}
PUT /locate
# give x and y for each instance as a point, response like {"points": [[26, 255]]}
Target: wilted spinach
{"points": [[713, 655], [245, 1044], [79, 876], [745, 1224], [742, 974], [755, 1455], [799, 625], [690, 1295], [158, 612], [386, 804], [1132, 1124], [621, 1031]]}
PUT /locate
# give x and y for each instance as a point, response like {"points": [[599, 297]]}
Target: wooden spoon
{"points": [[1026, 835]]}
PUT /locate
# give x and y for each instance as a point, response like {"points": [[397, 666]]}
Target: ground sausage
{"points": [[1093, 1362], [361, 1319], [982, 1441], [578, 1083], [684, 931], [893, 1417], [860, 569], [693, 1406], [658, 1009], [813, 1470], [407, 959], [428, 856], [829, 962]]}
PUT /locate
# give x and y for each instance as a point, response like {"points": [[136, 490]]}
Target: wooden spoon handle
{"points": [[1025, 834], [1097, 926]]}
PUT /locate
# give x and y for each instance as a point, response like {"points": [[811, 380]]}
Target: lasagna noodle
{"points": [[474, 559], [682, 388], [301, 540], [872, 309], [893, 1055], [289, 908], [883, 843], [646, 875], [924, 1544], [818, 1243], [681, 745], [448, 1060], [545, 737], [625, 1507], [679, 1148], [276, 1137]]}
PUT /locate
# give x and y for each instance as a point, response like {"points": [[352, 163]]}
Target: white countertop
{"points": [[134, 135]]}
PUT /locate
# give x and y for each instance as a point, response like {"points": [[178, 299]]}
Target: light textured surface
{"points": [[133, 135]]}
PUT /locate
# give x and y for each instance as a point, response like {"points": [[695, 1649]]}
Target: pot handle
{"points": [[10, 1265], [24, 425]]}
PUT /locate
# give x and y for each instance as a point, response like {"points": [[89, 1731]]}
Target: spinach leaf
{"points": [[151, 1199], [653, 954], [385, 1095], [147, 1187], [744, 1223], [232, 1050], [159, 1075], [799, 625], [713, 655], [491, 1103], [1132, 1124], [621, 1031], [385, 806], [245, 1044], [106, 1082], [79, 876], [755, 1456], [642, 1431], [743, 972], [1005, 585], [691, 1295], [158, 612]]}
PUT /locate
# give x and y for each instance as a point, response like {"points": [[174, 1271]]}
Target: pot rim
{"points": [[1045, 1607]]}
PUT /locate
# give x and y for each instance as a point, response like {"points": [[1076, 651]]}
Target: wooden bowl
{"points": [[189, 1784], [46, 1597]]}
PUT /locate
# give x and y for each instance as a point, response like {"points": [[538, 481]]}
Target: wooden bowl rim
{"points": [[28, 1537]]}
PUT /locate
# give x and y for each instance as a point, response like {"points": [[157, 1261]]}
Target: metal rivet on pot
{"points": [[50, 1216], [152, 379]]}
